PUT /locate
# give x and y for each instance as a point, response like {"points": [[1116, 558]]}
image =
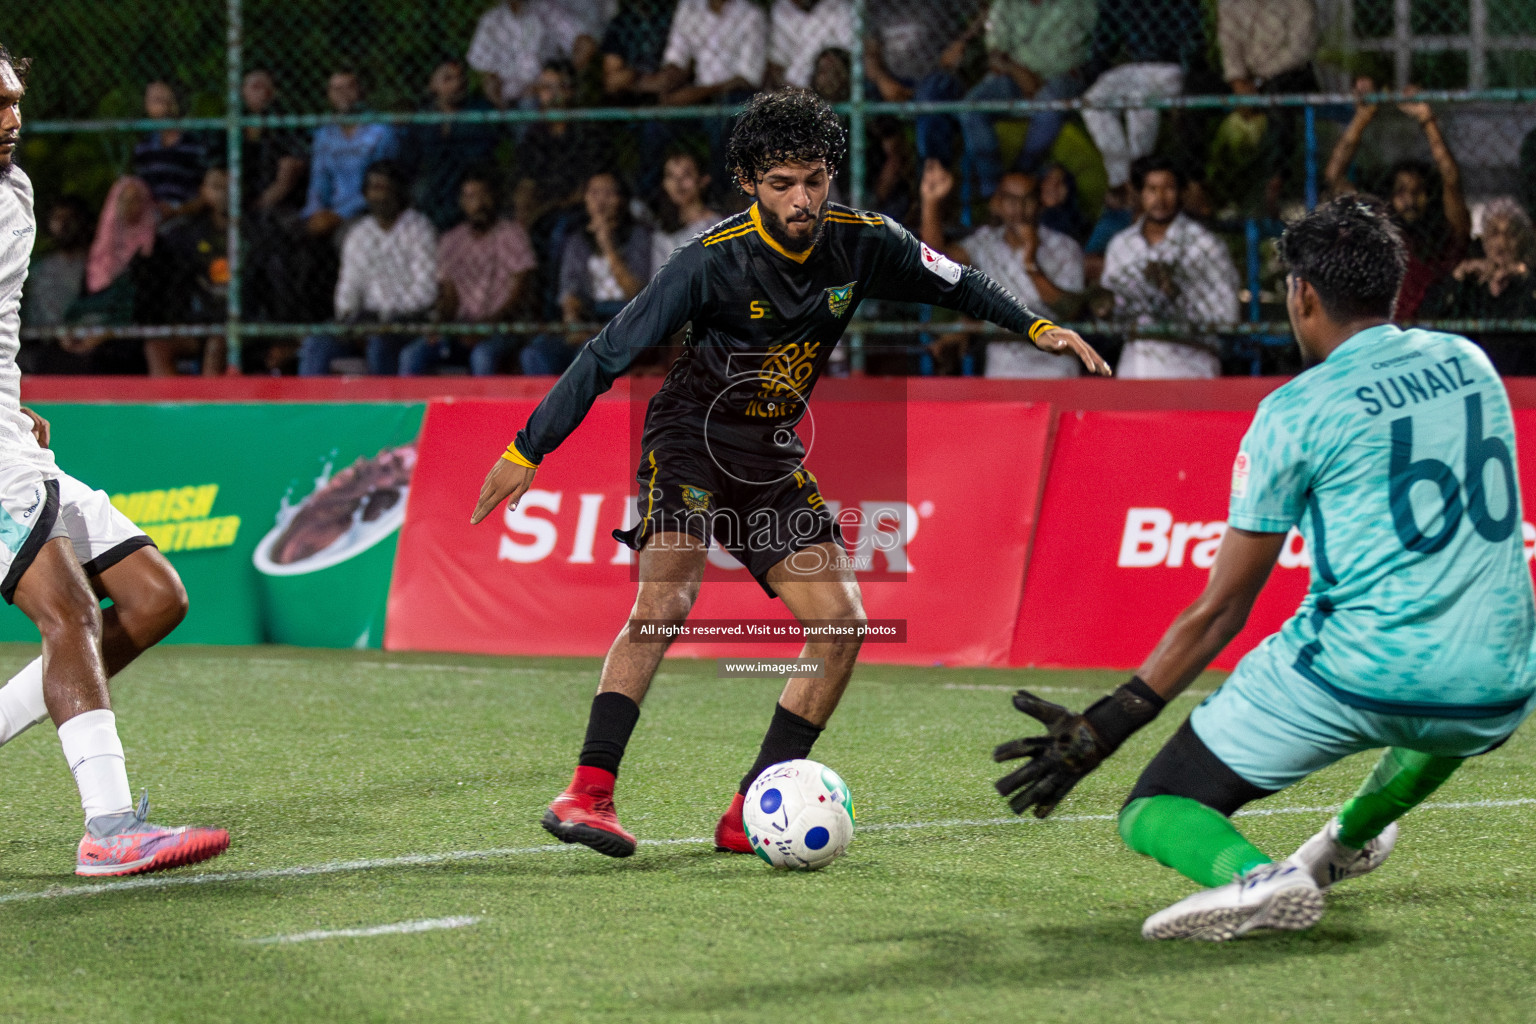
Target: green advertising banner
{"points": [[282, 519]]}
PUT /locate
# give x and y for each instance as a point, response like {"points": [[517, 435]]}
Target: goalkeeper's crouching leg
{"points": [[1178, 813]]}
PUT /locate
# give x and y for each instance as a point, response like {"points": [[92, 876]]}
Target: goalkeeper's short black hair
{"points": [[1352, 254], [779, 127]]}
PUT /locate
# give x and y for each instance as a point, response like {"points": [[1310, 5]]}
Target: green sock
{"points": [[1186, 835], [1401, 781]]}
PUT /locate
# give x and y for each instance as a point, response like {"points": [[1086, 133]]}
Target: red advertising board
{"points": [[1133, 511], [940, 497]]}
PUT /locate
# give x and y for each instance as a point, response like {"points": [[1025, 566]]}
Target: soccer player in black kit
{"points": [[766, 295]]}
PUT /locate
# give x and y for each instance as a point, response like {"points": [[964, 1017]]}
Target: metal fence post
{"points": [[232, 141], [1251, 246], [856, 149], [1310, 157]]}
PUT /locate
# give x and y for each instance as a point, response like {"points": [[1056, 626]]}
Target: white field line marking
{"points": [[403, 928], [427, 859], [1000, 688], [500, 670]]}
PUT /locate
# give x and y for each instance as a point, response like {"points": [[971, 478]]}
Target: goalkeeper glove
{"points": [[1074, 745]]}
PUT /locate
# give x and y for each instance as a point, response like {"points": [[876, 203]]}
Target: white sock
{"points": [[21, 702], [95, 756]]}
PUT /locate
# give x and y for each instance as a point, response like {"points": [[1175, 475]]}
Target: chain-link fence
{"points": [[202, 169]]}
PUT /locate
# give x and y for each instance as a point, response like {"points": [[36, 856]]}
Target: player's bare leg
{"points": [[817, 585], [148, 602], [671, 568], [55, 594]]}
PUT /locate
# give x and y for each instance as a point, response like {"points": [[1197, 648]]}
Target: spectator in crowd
{"points": [[1041, 267], [1437, 232], [602, 267], [1168, 269], [1267, 45], [1498, 285], [633, 48], [906, 44], [1118, 213], [799, 30], [342, 153], [1033, 50], [1267, 48], [483, 271], [915, 53], [1059, 207], [125, 229], [273, 160], [512, 42], [581, 25], [891, 168], [55, 297], [832, 75], [439, 155], [1138, 52], [170, 162], [681, 210], [56, 280], [275, 163], [191, 274], [717, 52], [388, 275], [555, 157]]}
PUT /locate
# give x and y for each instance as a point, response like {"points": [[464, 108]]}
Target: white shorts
{"points": [[35, 509]]}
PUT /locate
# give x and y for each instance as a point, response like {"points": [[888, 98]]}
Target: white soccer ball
{"points": [[799, 814]]}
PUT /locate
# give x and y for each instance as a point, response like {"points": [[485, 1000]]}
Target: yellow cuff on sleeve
{"points": [[513, 455], [1040, 328]]}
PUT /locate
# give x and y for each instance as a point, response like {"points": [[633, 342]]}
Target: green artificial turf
{"points": [[313, 758]]}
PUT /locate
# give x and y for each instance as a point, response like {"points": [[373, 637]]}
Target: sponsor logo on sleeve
{"points": [[943, 266], [1240, 475]]}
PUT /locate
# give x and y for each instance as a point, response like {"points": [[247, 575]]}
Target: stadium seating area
{"points": [[1149, 226]]}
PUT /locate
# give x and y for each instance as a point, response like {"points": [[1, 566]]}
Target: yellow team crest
{"points": [[696, 498], [839, 299]]}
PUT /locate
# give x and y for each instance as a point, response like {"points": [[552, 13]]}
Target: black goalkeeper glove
{"points": [[1074, 746]]}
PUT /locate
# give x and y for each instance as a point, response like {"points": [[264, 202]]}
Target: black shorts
{"points": [[761, 516]]}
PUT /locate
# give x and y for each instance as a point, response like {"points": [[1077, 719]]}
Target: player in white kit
{"points": [[63, 549]]}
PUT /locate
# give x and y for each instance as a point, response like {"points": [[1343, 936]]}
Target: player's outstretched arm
{"points": [[913, 272], [1059, 339], [507, 481], [1076, 744], [674, 297]]}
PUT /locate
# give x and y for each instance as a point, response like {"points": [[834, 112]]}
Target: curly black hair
{"points": [[18, 64], [1353, 255], [783, 126]]}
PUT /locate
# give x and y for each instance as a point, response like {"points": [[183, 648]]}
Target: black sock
{"points": [[789, 737], [612, 719]]}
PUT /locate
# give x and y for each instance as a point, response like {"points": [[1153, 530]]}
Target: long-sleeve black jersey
{"points": [[764, 323]]}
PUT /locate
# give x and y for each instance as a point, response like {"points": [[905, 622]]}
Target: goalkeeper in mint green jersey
{"points": [[1394, 455]]}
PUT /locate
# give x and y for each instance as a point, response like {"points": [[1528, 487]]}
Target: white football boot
{"points": [[1331, 862], [1280, 896]]}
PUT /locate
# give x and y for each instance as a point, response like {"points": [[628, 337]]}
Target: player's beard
{"points": [[779, 231]]}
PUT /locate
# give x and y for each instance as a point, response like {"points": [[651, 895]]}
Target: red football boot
{"points": [[730, 832], [584, 814]]}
